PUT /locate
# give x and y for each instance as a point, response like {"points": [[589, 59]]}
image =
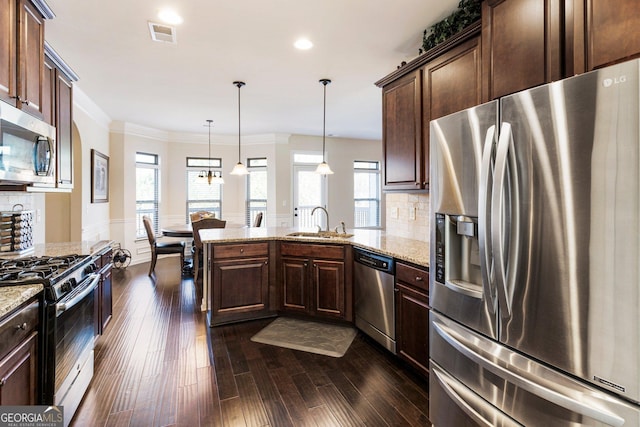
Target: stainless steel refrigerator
{"points": [[535, 256]]}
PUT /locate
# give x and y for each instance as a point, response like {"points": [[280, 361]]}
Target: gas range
{"points": [[58, 274]]}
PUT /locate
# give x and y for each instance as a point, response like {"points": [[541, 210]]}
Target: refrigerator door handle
{"points": [[583, 404], [484, 243], [505, 177], [469, 402]]}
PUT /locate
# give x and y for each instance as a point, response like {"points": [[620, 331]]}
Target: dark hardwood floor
{"points": [[158, 364]]}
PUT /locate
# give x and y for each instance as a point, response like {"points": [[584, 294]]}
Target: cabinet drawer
{"points": [[412, 276], [240, 250], [17, 327], [312, 251]]}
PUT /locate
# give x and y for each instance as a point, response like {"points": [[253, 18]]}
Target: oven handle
{"points": [[92, 281]]}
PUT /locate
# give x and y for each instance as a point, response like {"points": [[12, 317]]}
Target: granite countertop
{"points": [[12, 296], [410, 250]]}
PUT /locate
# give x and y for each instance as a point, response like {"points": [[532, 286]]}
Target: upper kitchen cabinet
{"points": [[521, 45], [58, 101], [452, 81], [441, 81], [403, 149], [22, 70], [601, 33]]}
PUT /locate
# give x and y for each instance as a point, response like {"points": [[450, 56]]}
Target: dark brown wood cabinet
{"points": [[22, 70], [404, 149], [412, 316], [58, 112], [600, 33], [19, 372], [442, 81], [240, 282], [521, 45], [315, 280]]}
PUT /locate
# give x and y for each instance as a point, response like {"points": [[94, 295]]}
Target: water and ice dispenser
{"points": [[457, 253]]}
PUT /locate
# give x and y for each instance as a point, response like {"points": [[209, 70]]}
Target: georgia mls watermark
{"points": [[31, 416]]}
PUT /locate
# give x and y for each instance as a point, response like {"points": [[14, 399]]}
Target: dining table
{"points": [[178, 230]]}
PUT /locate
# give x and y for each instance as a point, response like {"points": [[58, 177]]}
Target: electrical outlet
{"points": [[412, 213]]}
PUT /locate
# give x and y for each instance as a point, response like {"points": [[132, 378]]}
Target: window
{"points": [[309, 190], [202, 196], [366, 194], [256, 190], [147, 191]]}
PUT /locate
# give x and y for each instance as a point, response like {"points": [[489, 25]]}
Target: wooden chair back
{"points": [[149, 229], [257, 221], [202, 224], [196, 216]]}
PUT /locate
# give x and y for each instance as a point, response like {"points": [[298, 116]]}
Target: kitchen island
{"points": [[269, 259]]}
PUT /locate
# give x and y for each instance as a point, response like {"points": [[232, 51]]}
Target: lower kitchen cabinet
{"points": [[315, 280], [412, 316], [104, 300], [239, 282], [19, 369]]}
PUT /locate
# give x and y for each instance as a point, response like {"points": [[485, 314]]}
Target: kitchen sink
{"points": [[320, 234]]}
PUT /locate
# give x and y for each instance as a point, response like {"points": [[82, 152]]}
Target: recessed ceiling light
{"points": [[303, 44], [169, 16]]}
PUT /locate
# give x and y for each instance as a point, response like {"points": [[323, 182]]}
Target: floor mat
{"points": [[314, 337]]}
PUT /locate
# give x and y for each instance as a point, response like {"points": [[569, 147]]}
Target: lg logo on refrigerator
{"points": [[614, 81]]}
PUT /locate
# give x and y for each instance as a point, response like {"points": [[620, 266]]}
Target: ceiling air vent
{"points": [[162, 33]]}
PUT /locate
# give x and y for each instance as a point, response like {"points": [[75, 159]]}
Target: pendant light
{"points": [[239, 168], [212, 177], [323, 168]]}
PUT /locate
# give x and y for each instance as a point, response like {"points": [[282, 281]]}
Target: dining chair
{"points": [[161, 248], [197, 226], [257, 220], [196, 216]]}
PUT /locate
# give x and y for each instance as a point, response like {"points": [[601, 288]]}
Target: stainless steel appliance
{"points": [[68, 340], [373, 277], [27, 148], [535, 248]]}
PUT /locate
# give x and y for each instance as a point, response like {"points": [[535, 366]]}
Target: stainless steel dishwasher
{"points": [[373, 276]]}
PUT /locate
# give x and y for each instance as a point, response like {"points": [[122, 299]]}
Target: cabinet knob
{"points": [[417, 184], [306, 264], [266, 262], [22, 327], [241, 250], [418, 279]]}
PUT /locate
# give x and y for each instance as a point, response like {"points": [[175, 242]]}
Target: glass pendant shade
{"points": [[239, 169], [323, 168]]}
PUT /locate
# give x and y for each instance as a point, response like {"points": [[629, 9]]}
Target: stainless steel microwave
{"points": [[27, 149]]}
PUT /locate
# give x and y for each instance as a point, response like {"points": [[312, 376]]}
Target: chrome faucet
{"points": [[326, 213]]}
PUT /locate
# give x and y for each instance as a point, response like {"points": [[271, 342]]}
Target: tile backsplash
{"points": [[408, 215]]}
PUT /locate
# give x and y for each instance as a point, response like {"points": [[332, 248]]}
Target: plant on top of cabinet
{"points": [[467, 13]]}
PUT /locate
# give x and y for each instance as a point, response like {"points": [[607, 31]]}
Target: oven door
{"points": [[73, 336]]}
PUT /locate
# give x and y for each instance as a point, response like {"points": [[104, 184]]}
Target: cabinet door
{"points": [[295, 284], [49, 93], [521, 42], [106, 298], [328, 295], [412, 327], [8, 54], [452, 82], [601, 33], [240, 289], [403, 147], [30, 63], [18, 374], [64, 123]]}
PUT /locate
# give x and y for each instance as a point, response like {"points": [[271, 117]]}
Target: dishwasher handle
{"points": [[373, 260]]}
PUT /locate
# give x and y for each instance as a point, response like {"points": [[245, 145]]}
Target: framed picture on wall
{"points": [[99, 177]]}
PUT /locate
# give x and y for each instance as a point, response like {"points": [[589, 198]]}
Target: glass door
{"points": [[309, 191]]}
